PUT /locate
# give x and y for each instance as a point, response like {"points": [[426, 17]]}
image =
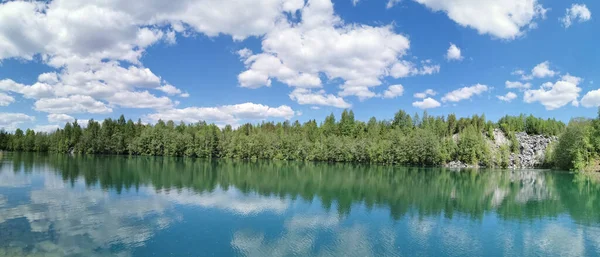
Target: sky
{"points": [[238, 61]]}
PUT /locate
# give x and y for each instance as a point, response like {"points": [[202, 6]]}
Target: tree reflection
{"points": [[519, 195]]}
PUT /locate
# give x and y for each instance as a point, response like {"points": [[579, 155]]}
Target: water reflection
{"points": [[114, 206]]}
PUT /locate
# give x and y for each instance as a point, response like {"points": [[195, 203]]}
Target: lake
{"points": [[59, 205]]}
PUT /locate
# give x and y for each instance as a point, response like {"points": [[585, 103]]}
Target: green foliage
{"points": [[531, 125], [472, 148], [515, 147], [504, 156], [574, 148], [421, 140]]}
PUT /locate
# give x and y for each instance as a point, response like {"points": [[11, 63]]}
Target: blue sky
{"points": [[237, 61]]}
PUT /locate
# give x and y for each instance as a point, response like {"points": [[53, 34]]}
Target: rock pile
{"points": [[458, 165], [532, 150]]}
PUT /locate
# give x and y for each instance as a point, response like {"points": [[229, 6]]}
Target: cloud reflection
{"points": [[231, 200]]}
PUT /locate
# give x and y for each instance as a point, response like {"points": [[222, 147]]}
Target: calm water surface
{"points": [[56, 205]]}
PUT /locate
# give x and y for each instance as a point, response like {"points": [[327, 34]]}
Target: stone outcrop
{"points": [[532, 150]]}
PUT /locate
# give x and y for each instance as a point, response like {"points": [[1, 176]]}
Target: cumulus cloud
{"points": [[554, 96], [591, 99], [10, 121], [393, 91], [306, 96], [577, 13], [37, 90], [428, 92], [96, 45], [71, 104], [112, 29], [405, 68], [518, 72], [226, 114], [427, 103], [170, 89], [5, 99], [508, 97], [300, 53], [572, 79], [501, 19], [465, 93], [60, 118], [543, 70], [130, 99], [454, 53], [517, 85]]}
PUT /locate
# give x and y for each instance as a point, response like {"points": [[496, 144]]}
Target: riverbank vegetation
{"points": [[422, 140]]}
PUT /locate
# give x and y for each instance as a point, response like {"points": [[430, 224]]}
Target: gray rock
{"points": [[532, 150], [458, 165]]}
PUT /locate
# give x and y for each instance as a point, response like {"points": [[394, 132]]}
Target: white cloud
{"points": [[506, 19], [315, 107], [71, 104], [245, 53], [575, 103], [99, 83], [109, 29], [454, 53], [306, 96], [508, 97], [577, 12], [297, 53], [143, 99], [60, 118], [572, 79], [405, 68], [91, 42], [10, 121], [265, 66], [393, 91], [518, 72], [46, 128], [34, 91], [170, 89], [428, 70], [517, 85], [428, 92], [554, 96], [464, 93], [226, 114], [427, 103], [5, 99], [392, 3], [591, 99], [543, 70]]}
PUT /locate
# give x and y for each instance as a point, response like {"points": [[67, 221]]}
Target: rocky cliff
{"points": [[531, 154], [532, 150]]}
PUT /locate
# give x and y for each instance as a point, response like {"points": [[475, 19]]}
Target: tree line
{"points": [[422, 140]]}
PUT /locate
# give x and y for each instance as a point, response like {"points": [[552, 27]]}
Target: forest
{"points": [[419, 140]]}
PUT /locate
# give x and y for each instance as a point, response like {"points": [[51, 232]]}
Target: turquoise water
{"points": [[57, 205]]}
